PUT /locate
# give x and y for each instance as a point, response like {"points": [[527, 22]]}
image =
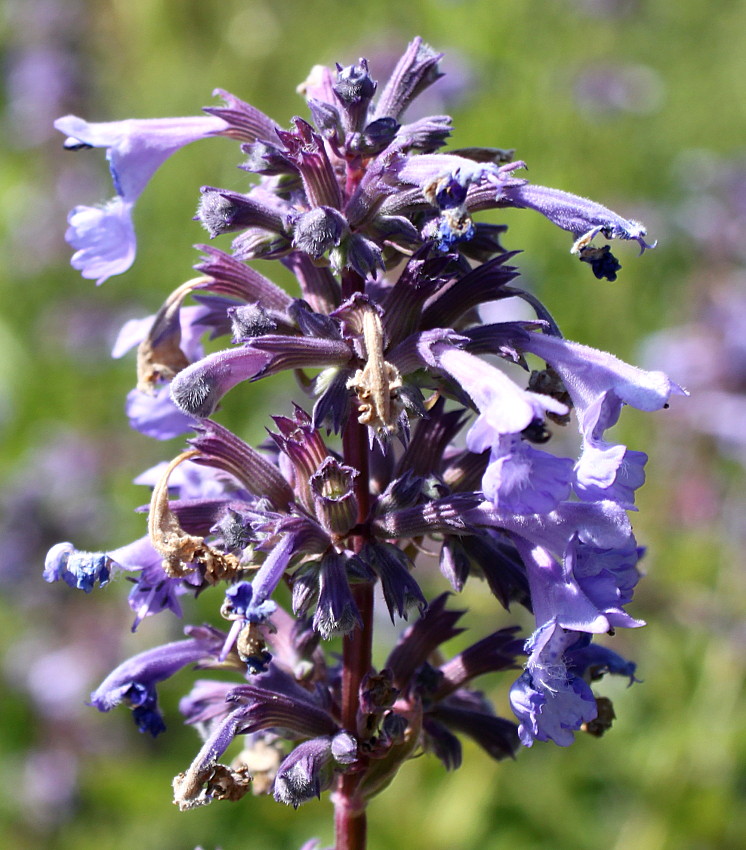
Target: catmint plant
{"points": [[404, 453]]}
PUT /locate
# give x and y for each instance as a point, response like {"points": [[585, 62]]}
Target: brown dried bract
{"points": [[215, 782], [159, 355], [378, 383], [182, 553]]}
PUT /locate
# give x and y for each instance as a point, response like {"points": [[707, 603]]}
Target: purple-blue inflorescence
{"points": [[406, 440]]}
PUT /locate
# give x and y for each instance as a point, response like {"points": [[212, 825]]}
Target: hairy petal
{"points": [[582, 217], [197, 390]]}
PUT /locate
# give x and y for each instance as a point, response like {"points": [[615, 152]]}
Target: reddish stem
{"points": [[350, 826], [349, 812]]}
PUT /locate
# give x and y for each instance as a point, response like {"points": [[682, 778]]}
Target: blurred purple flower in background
{"points": [[606, 90], [607, 8], [706, 350], [57, 489]]}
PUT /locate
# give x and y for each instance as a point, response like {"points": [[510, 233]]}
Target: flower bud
{"points": [[354, 88]]}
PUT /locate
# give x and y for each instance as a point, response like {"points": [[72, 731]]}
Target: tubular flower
{"points": [[406, 442], [104, 237]]}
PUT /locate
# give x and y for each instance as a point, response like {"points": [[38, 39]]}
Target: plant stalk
{"points": [[350, 824]]}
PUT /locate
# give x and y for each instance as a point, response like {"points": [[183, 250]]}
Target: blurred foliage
{"points": [[671, 775]]}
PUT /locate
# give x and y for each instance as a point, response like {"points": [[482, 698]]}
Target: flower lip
{"points": [[103, 238]]}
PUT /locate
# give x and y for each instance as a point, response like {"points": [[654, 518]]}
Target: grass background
{"points": [[672, 773]]}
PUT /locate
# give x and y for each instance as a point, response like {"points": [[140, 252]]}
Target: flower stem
{"points": [[350, 826], [349, 812], [357, 646]]}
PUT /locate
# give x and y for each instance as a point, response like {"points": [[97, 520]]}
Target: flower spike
{"points": [[378, 223]]}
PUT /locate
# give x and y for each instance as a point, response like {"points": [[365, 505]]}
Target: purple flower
{"points": [[599, 383], [444, 179], [241, 607], [550, 702], [149, 407], [582, 217], [135, 148], [133, 682], [239, 604], [518, 477], [157, 415], [557, 595], [607, 576], [525, 480], [190, 327], [601, 524], [504, 408], [104, 237], [78, 569], [153, 590], [376, 223], [552, 698], [607, 471]]}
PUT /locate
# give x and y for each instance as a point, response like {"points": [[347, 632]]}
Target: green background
{"points": [[671, 775]]}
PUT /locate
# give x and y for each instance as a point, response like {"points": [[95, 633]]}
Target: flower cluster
{"points": [[383, 459]]}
